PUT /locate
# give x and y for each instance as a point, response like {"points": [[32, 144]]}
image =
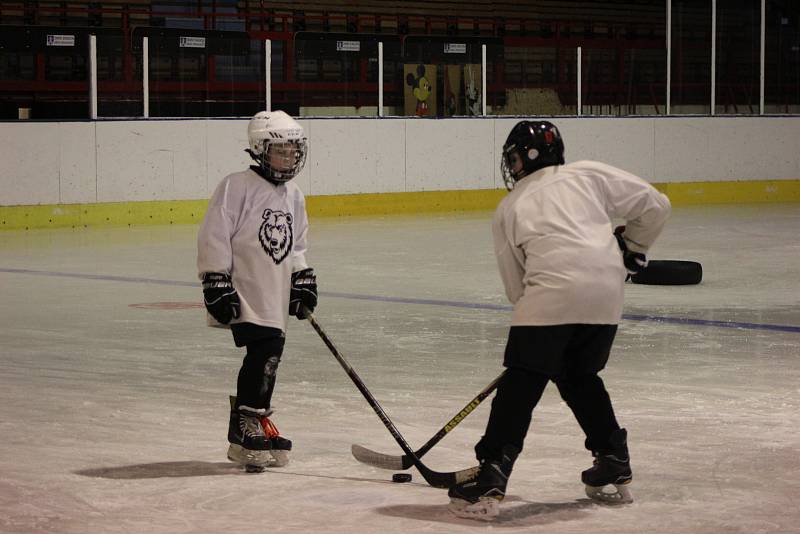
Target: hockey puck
{"points": [[401, 477]]}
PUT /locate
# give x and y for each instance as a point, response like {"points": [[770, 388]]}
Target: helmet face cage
{"points": [[537, 143], [297, 160], [505, 166]]}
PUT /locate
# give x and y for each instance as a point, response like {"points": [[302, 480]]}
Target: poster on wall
{"points": [[472, 89], [452, 104], [420, 89]]}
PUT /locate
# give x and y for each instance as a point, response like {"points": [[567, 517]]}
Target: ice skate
{"points": [[249, 445], [480, 498], [611, 468], [278, 446], [269, 449]]}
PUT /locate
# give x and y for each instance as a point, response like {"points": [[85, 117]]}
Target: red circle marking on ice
{"points": [[167, 305]]}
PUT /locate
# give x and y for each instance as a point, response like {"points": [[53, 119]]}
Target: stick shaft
{"points": [[434, 478]]}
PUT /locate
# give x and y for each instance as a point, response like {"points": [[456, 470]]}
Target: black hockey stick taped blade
{"points": [[434, 478], [395, 462]]}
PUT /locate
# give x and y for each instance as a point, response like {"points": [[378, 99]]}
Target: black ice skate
{"points": [[249, 445], [611, 467], [278, 446], [480, 498], [269, 448]]}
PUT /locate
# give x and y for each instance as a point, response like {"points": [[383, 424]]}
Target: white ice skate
{"points": [[621, 493], [249, 459], [485, 509], [611, 469], [480, 497]]}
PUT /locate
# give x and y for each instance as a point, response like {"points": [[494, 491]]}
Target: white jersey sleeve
{"points": [[214, 253], [644, 209], [301, 232]]}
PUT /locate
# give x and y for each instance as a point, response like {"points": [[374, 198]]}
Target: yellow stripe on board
{"points": [[192, 211], [102, 214], [397, 203], [685, 193]]}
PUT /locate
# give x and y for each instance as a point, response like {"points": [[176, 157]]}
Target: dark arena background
{"points": [[531, 60]]}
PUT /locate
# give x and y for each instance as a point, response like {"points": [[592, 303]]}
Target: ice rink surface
{"points": [[114, 395]]}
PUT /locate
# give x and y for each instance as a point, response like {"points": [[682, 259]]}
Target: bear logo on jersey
{"points": [[276, 234]]}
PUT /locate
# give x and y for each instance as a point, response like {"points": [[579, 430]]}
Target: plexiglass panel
{"points": [[691, 57], [782, 79], [336, 74], [738, 61]]}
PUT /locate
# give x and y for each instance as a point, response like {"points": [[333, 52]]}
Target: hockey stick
{"points": [[434, 478], [395, 463]]}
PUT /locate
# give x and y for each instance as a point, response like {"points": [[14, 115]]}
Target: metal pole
{"points": [[580, 96], [380, 79], [483, 80], [669, 56], [763, 57], [92, 77], [146, 75], [713, 56], [268, 72]]}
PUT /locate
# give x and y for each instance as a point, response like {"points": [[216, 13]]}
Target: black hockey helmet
{"points": [[537, 143]]}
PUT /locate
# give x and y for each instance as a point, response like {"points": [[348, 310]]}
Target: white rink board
{"points": [[46, 163], [142, 160], [226, 141], [77, 170], [731, 148], [343, 160], [450, 154], [628, 144], [118, 161]]}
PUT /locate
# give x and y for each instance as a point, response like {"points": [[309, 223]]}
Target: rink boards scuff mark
{"points": [[428, 302]]}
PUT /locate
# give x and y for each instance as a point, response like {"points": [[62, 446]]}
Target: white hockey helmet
{"points": [[277, 129]]}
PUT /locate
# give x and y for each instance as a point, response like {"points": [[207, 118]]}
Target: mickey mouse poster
{"points": [[420, 89]]}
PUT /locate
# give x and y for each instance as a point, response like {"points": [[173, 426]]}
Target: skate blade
{"points": [[486, 509], [245, 457], [280, 458], [257, 461], [620, 495]]}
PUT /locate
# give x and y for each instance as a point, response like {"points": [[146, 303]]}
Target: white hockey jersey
{"points": [[256, 232], [553, 238]]}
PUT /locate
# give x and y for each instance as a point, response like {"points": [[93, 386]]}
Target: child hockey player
{"points": [[251, 258], [564, 271]]}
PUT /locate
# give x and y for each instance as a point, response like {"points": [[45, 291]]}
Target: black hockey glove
{"points": [[634, 261], [303, 293], [220, 298]]}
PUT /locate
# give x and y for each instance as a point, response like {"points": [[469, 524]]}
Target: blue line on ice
{"points": [[429, 302]]}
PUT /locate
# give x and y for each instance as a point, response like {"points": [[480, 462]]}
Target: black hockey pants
{"points": [[569, 355], [258, 373]]}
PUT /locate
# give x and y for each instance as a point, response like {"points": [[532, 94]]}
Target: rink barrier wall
{"points": [[192, 211], [112, 172]]}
